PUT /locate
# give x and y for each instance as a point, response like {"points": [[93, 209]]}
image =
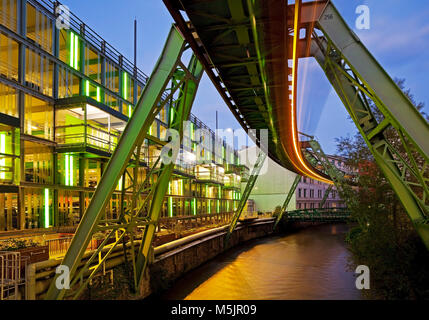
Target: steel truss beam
{"points": [[147, 197], [325, 196], [287, 200], [247, 190], [358, 79]]}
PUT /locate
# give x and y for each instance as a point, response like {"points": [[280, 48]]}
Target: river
{"points": [[308, 264]]}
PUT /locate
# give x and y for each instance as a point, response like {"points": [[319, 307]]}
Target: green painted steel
{"points": [[247, 190], [358, 78], [288, 198], [325, 196], [144, 114], [320, 215], [182, 110]]}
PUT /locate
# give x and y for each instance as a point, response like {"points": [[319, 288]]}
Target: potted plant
{"points": [[28, 249]]}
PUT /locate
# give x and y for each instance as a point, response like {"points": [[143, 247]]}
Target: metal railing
{"points": [[12, 274]]}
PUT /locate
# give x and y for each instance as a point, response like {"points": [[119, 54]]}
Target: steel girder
{"points": [[325, 196], [358, 79], [184, 82], [287, 200], [247, 190]]}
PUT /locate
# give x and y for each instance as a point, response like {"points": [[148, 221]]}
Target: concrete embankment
{"points": [[169, 261]]}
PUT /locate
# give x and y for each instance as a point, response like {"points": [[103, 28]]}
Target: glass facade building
{"points": [[65, 98]]}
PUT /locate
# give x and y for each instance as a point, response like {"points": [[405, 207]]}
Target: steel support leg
{"points": [[358, 79], [247, 190], [148, 106], [288, 198], [325, 196]]}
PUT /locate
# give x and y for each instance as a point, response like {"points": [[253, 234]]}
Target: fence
{"points": [[12, 274]]}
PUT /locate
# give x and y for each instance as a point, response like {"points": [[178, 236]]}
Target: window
{"points": [[8, 14], [311, 193], [38, 163], [305, 193], [92, 64], [8, 100], [299, 193], [69, 44], [112, 77], [127, 87], [38, 118], [8, 57], [9, 154], [39, 28], [39, 72], [68, 83]]}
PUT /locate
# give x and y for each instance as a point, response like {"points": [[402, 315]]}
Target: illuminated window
{"points": [[8, 14], [39, 72], [68, 83], [8, 57], [69, 44], [9, 154], [8, 100], [38, 162], [39, 28], [112, 77], [38, 118], [92, 64]]}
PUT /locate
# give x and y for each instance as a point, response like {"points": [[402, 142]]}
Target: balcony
{"points": [[210, 173]]}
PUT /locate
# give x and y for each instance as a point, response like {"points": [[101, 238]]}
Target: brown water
{"points": [[308, 264]]}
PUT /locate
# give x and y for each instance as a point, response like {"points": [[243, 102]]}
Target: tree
{"points": [[384, 238]]}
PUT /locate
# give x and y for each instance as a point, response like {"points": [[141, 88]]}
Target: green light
{"points": [[218, 206], [2, 150], [46, 208], [67, 170], [120, 183], [130, 110], [76, 50], [125, 85], [170, 207], [219, 192], [194, 206], [98, 94], [209, 207], [87, 88], [207, 191], [71, 49], [71, 171]]}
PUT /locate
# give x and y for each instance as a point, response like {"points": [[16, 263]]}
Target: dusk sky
{"points": [[398, 38]]}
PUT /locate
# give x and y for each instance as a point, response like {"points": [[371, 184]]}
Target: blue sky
{"points": [[398, 38]]}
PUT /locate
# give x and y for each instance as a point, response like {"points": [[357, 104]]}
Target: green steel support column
{"points": [[247, 190], [134, 133], [325, 196], [288, 198], [357, 78], [181, 113]]}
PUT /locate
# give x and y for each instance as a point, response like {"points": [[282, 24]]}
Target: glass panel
{"points": [[38, 208], [9, 154], [112, 77], [39, 72], [8, 14], [92, 64], [38, 118], [8, 206], [39, 28], [8, 100], [8, 57], [69, 48], [38, 162], [68, 83]]}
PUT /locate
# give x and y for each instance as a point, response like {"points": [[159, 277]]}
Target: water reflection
{"points": [[309, 264]]}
